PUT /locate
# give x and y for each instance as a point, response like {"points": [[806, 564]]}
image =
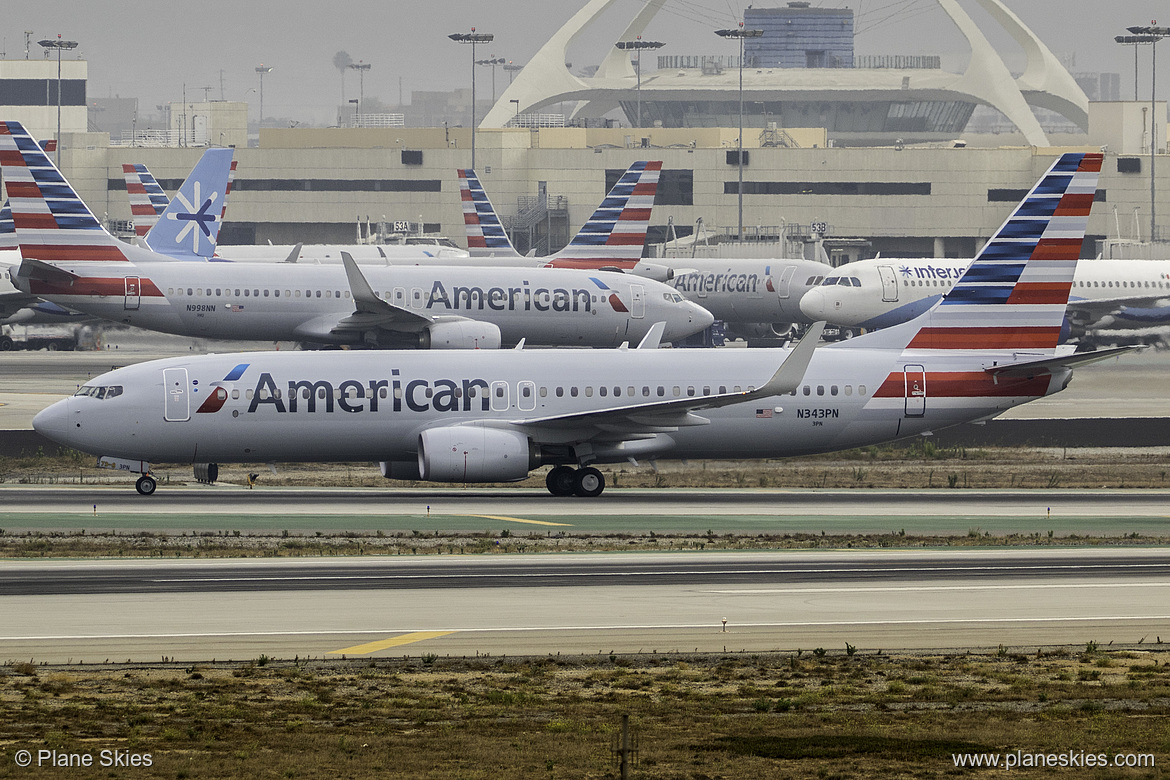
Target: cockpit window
{"points": [[672, 297], [100, 393]]}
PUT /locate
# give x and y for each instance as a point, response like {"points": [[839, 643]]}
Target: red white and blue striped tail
{"points": [[7, 228], [228, 190], [615, 234], [52, 223], [1014, 293], [485, 234], [147, 199]]}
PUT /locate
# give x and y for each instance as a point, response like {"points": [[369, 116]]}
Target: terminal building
{"points": [[873, 159]]}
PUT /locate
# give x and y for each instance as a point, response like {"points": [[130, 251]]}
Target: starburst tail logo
{"points": [[198, 219]]}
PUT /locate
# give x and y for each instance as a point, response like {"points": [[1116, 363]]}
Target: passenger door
{"points": [[177, 405], [889, 283], [915, 391], [133, 293]]}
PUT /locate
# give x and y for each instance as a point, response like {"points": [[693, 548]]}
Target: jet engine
{"points": [[460, 334], [472, 453], [659, 273]]}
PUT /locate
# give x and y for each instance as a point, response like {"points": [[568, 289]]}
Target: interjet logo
{"points": [[193, 217]]}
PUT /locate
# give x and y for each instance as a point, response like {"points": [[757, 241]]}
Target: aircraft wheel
{"points": [[146, 485], [588, 482], [561, 481]]}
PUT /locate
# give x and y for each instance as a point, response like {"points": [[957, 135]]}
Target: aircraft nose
{"points": [[697, 316], [54, 422], [812, 304]]}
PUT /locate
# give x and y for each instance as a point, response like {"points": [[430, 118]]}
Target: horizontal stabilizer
{"points": [[1048, 365]]}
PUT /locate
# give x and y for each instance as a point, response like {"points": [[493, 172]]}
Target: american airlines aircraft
{"points": [[487, 416], [70, 259], [742, 293], [881, 292]]}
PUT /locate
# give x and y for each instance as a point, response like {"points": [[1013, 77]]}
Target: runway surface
{"points": [[731, 510], [580, 603]]}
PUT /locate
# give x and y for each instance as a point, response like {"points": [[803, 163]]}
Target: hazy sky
{"points": [[150, 50]]}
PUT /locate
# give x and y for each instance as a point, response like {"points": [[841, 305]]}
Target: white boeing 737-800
{"points": [[482, 416], [71, 260]]}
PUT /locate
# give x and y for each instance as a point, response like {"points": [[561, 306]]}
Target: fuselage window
{"points": [[429, 392], [265, 292], [190, 291], [588, 391], [397, 392], [246, 291], [807, 390], [544, 392], [832, 389], [298, 294], [255, 293], [861, 389], [645, 391], [237, 291], [198, 292], [661, 391], [630, 391], [603, 391], [382, 392], [848, 389], [676, 391], [573, 391], [691, 392], [560, 392], [276, 293], [170, 290], [736, 389], [318, 293], [328, 293], [249, 395], [499, 391], [217, 292], [707, 390], [276, 393], [235, 394], [722, 389], [526, 391]]}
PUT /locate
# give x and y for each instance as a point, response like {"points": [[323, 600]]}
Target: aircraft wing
{"points": [[1090, 311], [370, 311], [12, 302], [1047, 366], [632, 420], [42, 271]]}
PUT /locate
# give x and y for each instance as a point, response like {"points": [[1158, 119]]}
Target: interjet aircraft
{"points": [[1106, 294], [71, 260], [493, 416]]}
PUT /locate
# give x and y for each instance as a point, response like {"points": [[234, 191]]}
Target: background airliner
{"points": [[882, 292], [484, 416], [70, 259], [751, 296]]}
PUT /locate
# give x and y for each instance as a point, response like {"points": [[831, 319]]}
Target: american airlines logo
{"points": [[521, 298], [356, 395]]}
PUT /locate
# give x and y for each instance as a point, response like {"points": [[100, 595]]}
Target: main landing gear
{"points": [[586, 482], [146, 485]]}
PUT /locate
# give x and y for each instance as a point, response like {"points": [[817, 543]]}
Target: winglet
{"points": [[295, 254], [364, 298], [653, 337], [791, 372]]}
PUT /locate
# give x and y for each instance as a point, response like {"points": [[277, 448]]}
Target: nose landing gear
{"points": [[146, 485]]}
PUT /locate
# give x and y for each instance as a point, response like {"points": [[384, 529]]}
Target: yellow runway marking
{"points": [[394, 641], [518, 520]]}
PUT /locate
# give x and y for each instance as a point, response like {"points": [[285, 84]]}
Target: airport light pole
{"points": [[361, 68], [1150, 35], [473, 38], [493, 61], [512, 69], [637, 45], [261, 71], [58, 44], [741, 34]]}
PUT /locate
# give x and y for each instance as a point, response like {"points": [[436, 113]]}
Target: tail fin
{"points": [[1013, 295], [228, 191], [52, 223], [147, 199], [485, 234], [189, 227], [7, 228], [615, 234]]}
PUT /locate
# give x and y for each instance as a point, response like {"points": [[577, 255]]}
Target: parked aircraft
{"points": [[881, 292], [70, 259], [148, 201], [989, 345], [751, 296]]}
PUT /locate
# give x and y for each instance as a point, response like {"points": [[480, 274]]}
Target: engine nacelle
{"points": [[400, 469], [460, 334], [473, 453], [655, 271]]}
